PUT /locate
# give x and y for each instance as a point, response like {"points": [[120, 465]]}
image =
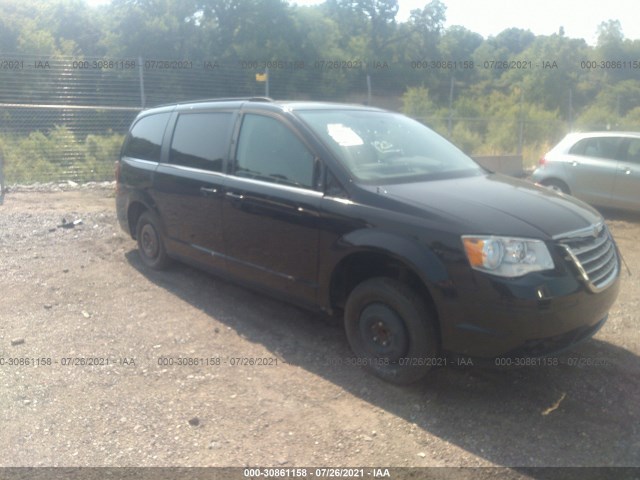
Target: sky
{"points": [[580, 18]]}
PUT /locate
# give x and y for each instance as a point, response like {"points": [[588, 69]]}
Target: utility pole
{"points": [[450, 121], [521, 129], [570, 116], [143, 100]]}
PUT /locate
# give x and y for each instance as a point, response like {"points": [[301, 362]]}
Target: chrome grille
{"points": [[594, 254]]}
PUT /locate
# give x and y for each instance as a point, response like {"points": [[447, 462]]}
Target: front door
{"points": [[626, 189], [271, 209]]}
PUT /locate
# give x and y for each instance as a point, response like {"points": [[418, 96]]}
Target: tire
{"points": [[391, 331], [150, 242], [557, 186]]}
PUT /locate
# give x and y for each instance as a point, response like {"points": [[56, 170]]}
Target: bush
{"points": [[101, 153], [465, 139], [416, 103], [59, 155]]}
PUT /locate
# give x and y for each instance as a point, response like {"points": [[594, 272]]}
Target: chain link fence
{"points": [[64, 118], [44, 143]]}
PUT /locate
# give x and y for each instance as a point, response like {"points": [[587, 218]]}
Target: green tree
{"points": [[615, 53], [611, 104], [416, 103], [322, 41], [506, 45], [551, 70], [458, 45], [425, 27], [76, 30], [159, 29], [48, 27]]}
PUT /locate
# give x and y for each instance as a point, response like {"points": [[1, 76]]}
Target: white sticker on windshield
{"points": [[343, 135]]}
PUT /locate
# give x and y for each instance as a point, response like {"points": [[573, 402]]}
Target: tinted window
{"points": [[268, 150], [599, 147], [145, 138], [201, 140]]}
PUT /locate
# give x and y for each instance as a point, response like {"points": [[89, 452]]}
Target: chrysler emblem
{"points": [[597, 229]]}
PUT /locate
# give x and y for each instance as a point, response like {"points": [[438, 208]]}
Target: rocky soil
{"points": [[104, 363]]}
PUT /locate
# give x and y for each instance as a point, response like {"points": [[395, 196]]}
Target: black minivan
{"points": [[368, 214]]}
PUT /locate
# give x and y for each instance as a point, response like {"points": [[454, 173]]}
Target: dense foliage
{"points": [[59, 154]]}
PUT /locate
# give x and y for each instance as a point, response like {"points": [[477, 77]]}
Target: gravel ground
{"points": [[104, 338]]}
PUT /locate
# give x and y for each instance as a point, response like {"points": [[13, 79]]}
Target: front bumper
{"points": [[535, 316]]}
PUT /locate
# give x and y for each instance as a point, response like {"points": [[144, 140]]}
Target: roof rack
{"points": [[220, 99], [229, 99]]}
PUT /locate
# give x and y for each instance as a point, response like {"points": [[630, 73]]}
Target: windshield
{"points": [[385, 147]]}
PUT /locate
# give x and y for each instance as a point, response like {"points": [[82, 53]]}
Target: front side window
{"points": [[633, 152], [145, 139], [268, 150], [201, 140], [384, 147]]}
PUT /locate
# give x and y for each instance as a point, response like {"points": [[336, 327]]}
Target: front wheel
{"points": [[391, 330]]}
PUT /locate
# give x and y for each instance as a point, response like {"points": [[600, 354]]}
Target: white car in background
{"points": [[601, 168]]}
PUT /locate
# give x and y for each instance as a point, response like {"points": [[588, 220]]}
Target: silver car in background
{"points": [[601, 168]]}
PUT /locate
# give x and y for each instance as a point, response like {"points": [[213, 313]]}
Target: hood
{"points": [[496, 205]]}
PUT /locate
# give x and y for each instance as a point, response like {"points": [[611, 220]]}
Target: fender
{"points": [[143, 198], [139, 195], [418, 257]]}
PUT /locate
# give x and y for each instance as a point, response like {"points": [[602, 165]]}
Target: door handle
{"points": [[207, 190], [626, 171], [234, 196], [574, 164]]}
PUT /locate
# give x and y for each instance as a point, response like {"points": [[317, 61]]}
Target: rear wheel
{"points": [[150, 243], [557, 186], [391, 330]]}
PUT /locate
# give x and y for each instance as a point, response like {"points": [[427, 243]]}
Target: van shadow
{"points": [[583, 411]]}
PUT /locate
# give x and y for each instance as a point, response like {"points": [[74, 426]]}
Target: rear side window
{"points": [[599, 147], [145, 138], [201, 140]]}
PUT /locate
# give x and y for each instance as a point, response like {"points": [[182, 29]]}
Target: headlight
{"points": [[505, 256]]}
